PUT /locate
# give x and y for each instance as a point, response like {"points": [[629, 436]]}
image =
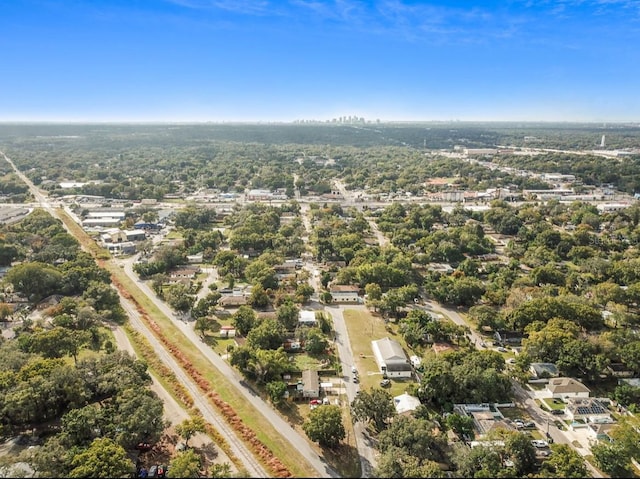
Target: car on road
{"points": [[501, 349], [539, 443], [557, 412]]}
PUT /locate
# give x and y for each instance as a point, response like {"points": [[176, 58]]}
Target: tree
{"points": [[189, 427], [325, 426], [276, 391], [138, 414], [523, 454], [205, 305], [612, 458], [244, 319], [315, 342], [179, 298], [186, 463], [480, 461], [373, 291], [203, 324], [268, 364], [418, 437], [375, 406], [57, 342], [269, 334], [326, 297], [103, 458], [6, 311], [34, 280], [627, 395], [304, 292], [398, 463], [220, 470], [461, 425], [79, 426], [259, 297], [564, 462], [287, 314]]}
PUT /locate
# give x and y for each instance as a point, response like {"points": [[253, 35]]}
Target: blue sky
{"points": [[284, 60]]}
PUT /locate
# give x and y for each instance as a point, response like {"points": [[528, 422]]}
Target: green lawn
{"points": [[363, 327], [552, 405]]}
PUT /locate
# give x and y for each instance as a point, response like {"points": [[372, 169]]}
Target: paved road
{"points": [[300, 443], [366, 450], [544, 421], [453, 315]]}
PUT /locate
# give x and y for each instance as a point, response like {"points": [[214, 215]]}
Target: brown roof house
{"points": [[344, 293], [310, 384], [565, 388]]}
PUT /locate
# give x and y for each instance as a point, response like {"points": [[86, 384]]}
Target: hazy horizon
{"points": [[267, 61]]}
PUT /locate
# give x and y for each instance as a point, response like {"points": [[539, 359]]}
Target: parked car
{"points": [[385, 382]]}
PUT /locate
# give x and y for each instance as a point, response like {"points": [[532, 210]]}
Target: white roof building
{"points": [[307, 318], [406, 403]]}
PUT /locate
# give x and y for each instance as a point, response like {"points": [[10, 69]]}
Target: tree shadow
{"points": [[345, 459], [290, 410]]}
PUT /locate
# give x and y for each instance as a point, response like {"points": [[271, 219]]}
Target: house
{"points": [[619, 370], [543, 370], [566, 388], [600, 431], [143, 225], [188, 272], [344, 293], [487, 421], [194, 258], [114, 236], [391, 358], [406, 403], [126, 247], [508, 338], [635, 382], [310, 384], [589, 410], [307, 318], [232, 301], [135, 235]]}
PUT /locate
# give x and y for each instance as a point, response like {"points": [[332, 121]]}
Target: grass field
{"points": [[363, 327]]}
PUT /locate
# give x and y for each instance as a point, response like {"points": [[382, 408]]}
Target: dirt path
{"points": [[174, 413]]}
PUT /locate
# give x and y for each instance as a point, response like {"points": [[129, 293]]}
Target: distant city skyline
{"points": [[290, 60]]}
